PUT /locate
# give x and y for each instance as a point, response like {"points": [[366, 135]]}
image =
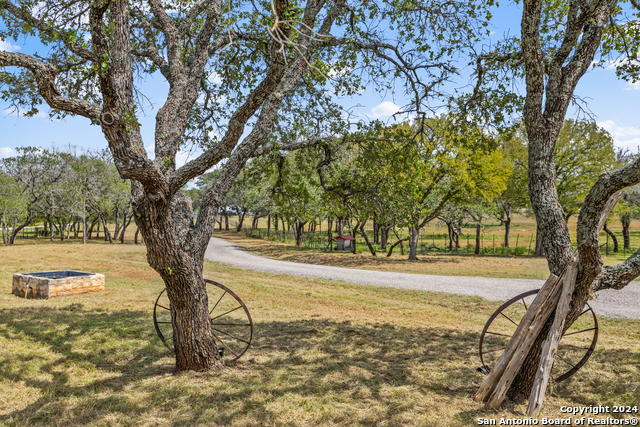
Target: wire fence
{"points": [[29, 232], [427, 242]]}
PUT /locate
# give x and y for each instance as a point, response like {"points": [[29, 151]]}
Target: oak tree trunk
{"points": [[165, 230], [613, 238], [240, 220], [366, 239], [298, 229], [384, 237], [414, 233], [107, 233], [268, 225], [539, 250], [626, 222], [507, 230]]}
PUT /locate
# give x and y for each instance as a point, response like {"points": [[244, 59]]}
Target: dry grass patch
{"points": [[325, 353]]}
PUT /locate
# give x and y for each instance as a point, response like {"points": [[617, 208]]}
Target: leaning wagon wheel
{"points": [[231, 322], [574, 349]]}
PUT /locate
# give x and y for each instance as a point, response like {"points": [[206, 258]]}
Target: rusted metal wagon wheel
{"points": [[574, 349], [231, 322]]}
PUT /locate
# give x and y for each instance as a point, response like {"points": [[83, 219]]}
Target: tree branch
{"points": [[152, 50], [45, 77], [174, 46], [45, 28]]}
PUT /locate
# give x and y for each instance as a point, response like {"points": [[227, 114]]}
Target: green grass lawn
{"points": [[325, 353]]}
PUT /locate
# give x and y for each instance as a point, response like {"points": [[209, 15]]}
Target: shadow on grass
{"points": [[70, 353], [320, 372]]}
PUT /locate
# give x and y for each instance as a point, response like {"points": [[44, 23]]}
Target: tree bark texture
{"points": [[163, 214], [550, 82]]}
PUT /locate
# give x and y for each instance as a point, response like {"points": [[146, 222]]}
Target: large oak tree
{"points": [[557, 46], [238, 74]]}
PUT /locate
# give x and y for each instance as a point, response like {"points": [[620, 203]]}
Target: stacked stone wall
{"points": [[40, 287]]}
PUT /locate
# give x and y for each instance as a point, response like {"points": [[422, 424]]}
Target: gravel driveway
{"points": [[624, 303]]}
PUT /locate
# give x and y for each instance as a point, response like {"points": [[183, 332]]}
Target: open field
{"points": [[324, 353]]}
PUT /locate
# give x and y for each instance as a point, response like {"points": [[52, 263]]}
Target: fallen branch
{"points": [[550, 345], [495, 386], [489, 384]]}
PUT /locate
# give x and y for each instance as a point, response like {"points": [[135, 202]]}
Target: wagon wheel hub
{"points": [[231, 323]]}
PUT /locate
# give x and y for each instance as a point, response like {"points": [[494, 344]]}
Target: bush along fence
{"points": [[310, 240], [429, 242]]}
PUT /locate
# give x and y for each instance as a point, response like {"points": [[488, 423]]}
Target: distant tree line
{"points": [[401, 177], [68, 193]]}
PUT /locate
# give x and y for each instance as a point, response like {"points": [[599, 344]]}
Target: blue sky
{"points": [[611, 101]]}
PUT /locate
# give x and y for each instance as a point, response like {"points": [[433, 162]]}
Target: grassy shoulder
{"points": [[521, 267], [325, 353]]}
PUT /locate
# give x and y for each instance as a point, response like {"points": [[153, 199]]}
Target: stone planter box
{"points": [[48, 284]]}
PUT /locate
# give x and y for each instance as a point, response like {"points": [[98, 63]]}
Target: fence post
{"points": [[517, 238]]}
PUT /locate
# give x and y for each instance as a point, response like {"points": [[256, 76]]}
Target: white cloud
{"points": [[182, 157], [623, 136], [633, 86], [7, 152], [214, 78], [619, 132], [7, 46], [384, 109]]}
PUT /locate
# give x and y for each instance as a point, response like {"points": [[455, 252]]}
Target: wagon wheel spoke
{"points": [[162, 306], [509, 319], [218, 302], [230, 324], [565, 360], [587, 331], [163, 322], [226, 346], [579, 332], [588, 309], [573, 346], [230, 311], [495, 349], [502, 335], [230, 335]]}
